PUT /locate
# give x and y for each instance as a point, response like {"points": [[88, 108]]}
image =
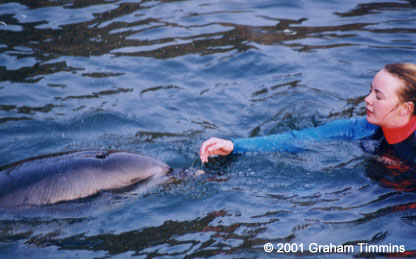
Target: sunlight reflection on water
{"points": [[159, 77]]}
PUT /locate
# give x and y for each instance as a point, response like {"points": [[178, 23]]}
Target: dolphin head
{"points": [[131, 167]]}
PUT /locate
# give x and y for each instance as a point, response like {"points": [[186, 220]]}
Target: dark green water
{"points": [[160, 77]]}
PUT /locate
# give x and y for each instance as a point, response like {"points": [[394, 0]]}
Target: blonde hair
{"points": [[406, 72]]}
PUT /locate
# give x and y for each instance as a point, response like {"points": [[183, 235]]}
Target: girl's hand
{"points": [[215, 146]]}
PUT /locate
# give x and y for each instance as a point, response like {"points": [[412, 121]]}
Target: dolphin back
{"points": [[68, 176]]}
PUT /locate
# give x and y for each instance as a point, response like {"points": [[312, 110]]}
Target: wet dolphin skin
{"points": [[72, 175]]}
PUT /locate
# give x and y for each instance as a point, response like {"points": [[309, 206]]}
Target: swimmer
{"points": [[391, 118]]}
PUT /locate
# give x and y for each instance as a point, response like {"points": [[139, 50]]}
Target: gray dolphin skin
{"points": [[73, 175]]}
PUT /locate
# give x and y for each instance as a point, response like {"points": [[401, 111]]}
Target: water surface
{"points": [[159, 77]]}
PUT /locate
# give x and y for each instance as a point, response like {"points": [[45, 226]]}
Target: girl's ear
{"points": [[407, 108]]}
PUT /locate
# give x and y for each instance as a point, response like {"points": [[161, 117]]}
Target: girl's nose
{"points": [[367, 100]]}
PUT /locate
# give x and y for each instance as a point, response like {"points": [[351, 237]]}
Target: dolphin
{"points": [[68, 176]]}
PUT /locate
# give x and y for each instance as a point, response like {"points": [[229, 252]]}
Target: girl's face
{"points": [[383, 103]]}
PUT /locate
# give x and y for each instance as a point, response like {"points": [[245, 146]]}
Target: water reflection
{"points": [[394, 174], [95, 95], [26, 109], [172, 238], [372, 8], [103, 34], [208, 235], [158, 77]]}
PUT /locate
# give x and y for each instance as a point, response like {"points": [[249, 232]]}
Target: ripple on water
{"points": [[159, 77]]}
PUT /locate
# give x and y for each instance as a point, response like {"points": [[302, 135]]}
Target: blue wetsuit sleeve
{"points": [[293, 141]]}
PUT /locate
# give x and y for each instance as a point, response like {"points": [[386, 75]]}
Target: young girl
{"points": [[391, 118]]}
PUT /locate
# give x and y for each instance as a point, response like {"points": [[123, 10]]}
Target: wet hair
{"points": [[406, 72]]}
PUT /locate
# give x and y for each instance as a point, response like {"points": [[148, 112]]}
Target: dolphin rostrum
{"points": [[73, 175]]}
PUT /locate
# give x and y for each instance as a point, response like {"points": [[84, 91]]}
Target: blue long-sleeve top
{"points": [[350, 129], [400, 176]]}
